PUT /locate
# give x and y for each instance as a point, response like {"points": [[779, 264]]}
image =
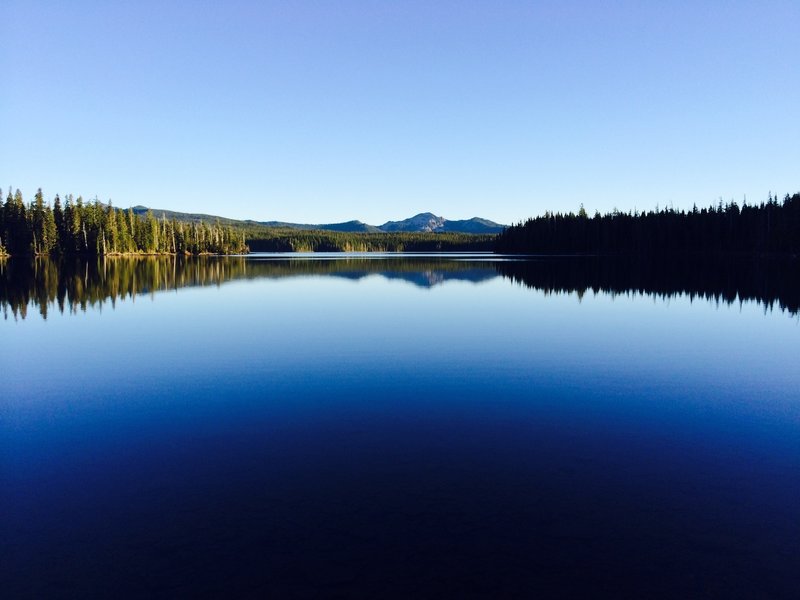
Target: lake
{"points": [[411, 425]]}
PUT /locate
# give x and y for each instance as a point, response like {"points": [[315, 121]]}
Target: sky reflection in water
{"points": [[423, 426]]}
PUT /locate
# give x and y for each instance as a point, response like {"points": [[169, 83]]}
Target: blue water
{"points": [[392, 429]]}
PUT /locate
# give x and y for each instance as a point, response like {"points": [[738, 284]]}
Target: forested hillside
{"points": [[772, 227], [75, 227], [262, 239]]}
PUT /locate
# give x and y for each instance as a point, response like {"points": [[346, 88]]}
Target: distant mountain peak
{"points": [[421, 222], [430, 222]]}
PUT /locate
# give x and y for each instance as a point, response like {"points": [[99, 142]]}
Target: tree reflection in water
{"points": [[75, 284]]}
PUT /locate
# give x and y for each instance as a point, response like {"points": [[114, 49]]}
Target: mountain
{"points": [[430, 222], [420, 222], [349, 226], [158, 213], [423, 222]]}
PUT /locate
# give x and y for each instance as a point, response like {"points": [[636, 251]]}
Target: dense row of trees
{"points": [[298, 240], [772, 227], [75, 227]]}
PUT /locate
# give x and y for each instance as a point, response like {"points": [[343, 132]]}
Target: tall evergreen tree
{"points": [[112, 230], [78, 228], [3, 238], [58, 216], [17, 230]]}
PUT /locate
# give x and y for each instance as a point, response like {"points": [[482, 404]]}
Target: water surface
{"points": [[412, 425]]}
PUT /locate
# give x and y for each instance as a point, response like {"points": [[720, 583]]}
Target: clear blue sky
{"points": [[330, 111]]}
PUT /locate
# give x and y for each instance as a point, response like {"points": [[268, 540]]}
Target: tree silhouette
{"points": [[769, 228]]}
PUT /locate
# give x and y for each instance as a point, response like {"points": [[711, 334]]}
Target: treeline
{"points": [[300, 240], [772, 227], [75, 227]]}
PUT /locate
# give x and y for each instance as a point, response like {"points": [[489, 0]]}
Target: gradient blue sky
{"points": [[330, 111]]}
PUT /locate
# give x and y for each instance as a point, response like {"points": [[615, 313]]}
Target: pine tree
{"points": [[58, 216], [133, 222], [3, 224], [18, 232], [78, 228], [151, 233], [49, 232], [37, 219], [112, 229]]}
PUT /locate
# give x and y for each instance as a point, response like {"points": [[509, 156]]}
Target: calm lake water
{"points": [[424, 426]]}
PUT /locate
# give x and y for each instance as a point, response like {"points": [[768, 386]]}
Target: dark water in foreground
{"points": [[415, 426]]}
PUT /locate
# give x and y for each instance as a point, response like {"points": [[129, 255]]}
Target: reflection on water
{"points": [[77, 284], [73, 285], [436, 426], [771, 283]]}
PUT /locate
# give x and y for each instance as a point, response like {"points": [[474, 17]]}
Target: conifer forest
{"points": [[76, 227], [771, 227]]}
